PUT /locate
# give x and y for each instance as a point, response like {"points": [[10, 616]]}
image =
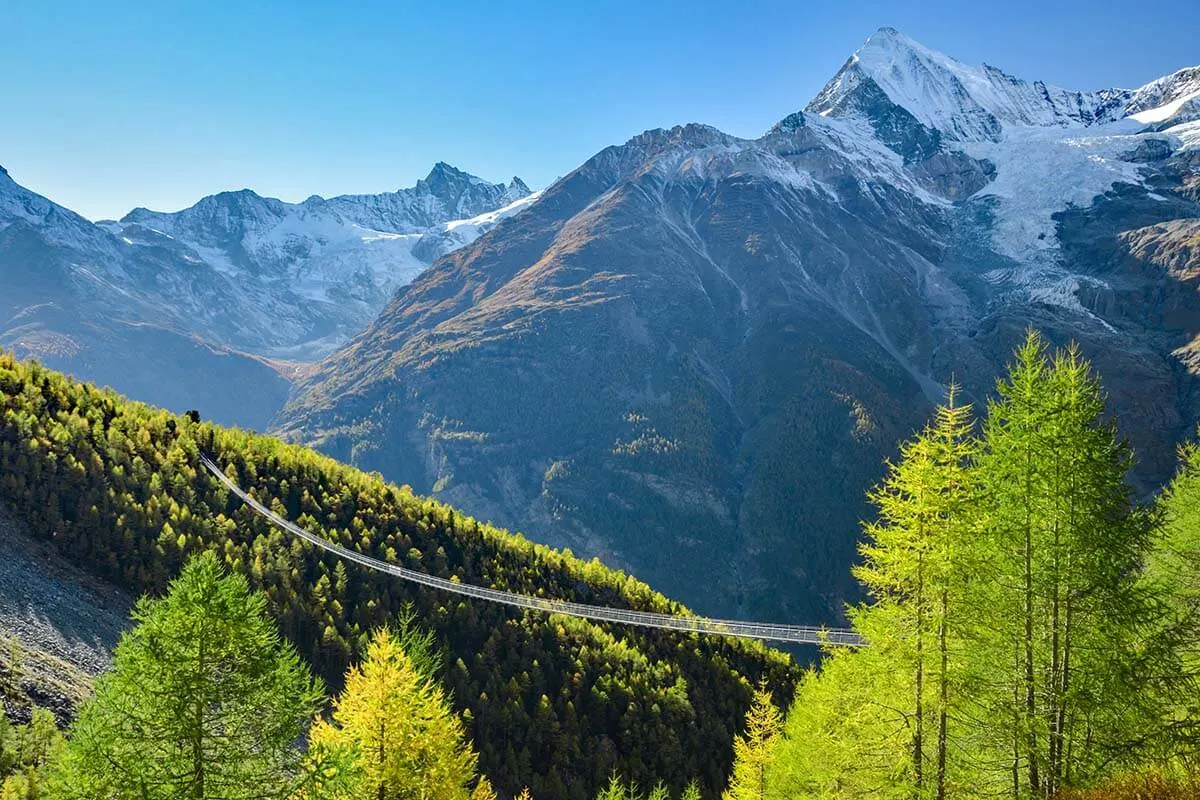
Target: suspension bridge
{"points": [[794, 634]]}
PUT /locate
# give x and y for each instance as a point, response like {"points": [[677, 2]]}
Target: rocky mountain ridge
{"points": [[218, 306], [312, 274]]}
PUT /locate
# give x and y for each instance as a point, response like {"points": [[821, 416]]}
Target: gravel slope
{"points": [[65, 622]]}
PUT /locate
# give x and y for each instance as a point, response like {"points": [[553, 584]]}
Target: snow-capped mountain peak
{"points": [[1174, 98], [54, 223], [1024, 150], [312, 273], [960, 102], [445, 194], [516, 190]]}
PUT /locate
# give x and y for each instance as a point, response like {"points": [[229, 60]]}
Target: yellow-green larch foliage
{"points": [[1173, 574], [754, 750], [409, 742], [914, 566], [483, 789], [617, 789], [26, 752]]}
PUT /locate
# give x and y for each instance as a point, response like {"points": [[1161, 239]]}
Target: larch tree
{"points": [[754, 750], [410, 745], [1028, 633], [913, 567], [26, 754], [483, 789], [877, 722], [1059, 594], [1173, 576], [203, 701]]}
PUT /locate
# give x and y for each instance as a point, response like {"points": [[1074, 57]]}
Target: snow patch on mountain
{"points": [[1162, 98], [465, 231], [1187, 133], [1166, 111], [1040, 171]]}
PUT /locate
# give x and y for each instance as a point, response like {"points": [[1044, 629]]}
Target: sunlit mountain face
{"points": [[692, 354]]}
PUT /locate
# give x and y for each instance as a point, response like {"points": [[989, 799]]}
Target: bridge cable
{"points": [[796, 634]]}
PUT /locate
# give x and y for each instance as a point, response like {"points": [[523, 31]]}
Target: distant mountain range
{"points": [[214, 307], [692, 354]]}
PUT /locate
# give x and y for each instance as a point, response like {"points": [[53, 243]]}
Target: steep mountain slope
{"points": [[704, 346], [76, 298], [551, 702], [208, 308]]}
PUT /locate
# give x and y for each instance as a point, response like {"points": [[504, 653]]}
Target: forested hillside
{"points": [[551, 703], [1032, 629]]}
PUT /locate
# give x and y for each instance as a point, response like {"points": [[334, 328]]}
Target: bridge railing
{"points": [[797, 634]]}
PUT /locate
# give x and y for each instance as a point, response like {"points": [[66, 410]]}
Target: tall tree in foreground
{"points": [[1017, 644], [1062, 613], [409, 742], [1173, 574], [878, 722], [203, 701], [913, 567], [754, 751]]}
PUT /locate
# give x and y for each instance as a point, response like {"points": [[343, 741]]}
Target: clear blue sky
{"points": [[109, 105]]}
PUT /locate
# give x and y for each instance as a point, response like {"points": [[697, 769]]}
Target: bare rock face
{"points": [[954, 175], [1173, 245]]}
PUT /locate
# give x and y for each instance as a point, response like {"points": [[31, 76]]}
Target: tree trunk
{"points": [[943, 698], [1053, 690], [918, 733], [198, 734], [1060, 730], [1030, 690], [1016, 710], [382, 756]]}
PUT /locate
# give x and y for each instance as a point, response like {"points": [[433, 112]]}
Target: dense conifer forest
{"points": [[553, 704], [1032, 629]]}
